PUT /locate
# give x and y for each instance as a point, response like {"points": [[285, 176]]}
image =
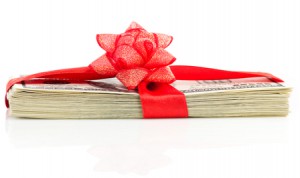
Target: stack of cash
{"points": [[107, 98]]}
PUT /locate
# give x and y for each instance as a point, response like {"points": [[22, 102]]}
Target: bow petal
{"points": [[145, 44], [159, 59], [107, 41], [126, 39], [132, 77], [161, 75], [103, 66], [126, 57], [134, 25], [163, 40]]}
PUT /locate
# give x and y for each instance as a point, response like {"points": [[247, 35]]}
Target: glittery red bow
{"points": [[135, 56]]}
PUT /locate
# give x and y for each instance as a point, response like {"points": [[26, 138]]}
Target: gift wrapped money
{"points": [[108, 98], [138, 81]]}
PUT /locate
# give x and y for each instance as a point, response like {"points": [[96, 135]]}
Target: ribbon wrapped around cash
{"points": [[138, 59]]}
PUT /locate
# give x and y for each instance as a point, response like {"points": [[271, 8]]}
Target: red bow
{"points": [[135, 56]]}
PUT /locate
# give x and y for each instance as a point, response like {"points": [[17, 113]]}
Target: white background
{"points": [[249, 35]]}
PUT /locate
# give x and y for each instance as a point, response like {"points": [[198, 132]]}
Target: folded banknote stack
{"points": [[108, 98]]}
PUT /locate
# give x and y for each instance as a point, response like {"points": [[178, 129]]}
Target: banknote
{"points": [[108, 98], [112, 85]]}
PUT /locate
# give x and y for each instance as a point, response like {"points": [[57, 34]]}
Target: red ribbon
{"points": [[138, 59]]}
